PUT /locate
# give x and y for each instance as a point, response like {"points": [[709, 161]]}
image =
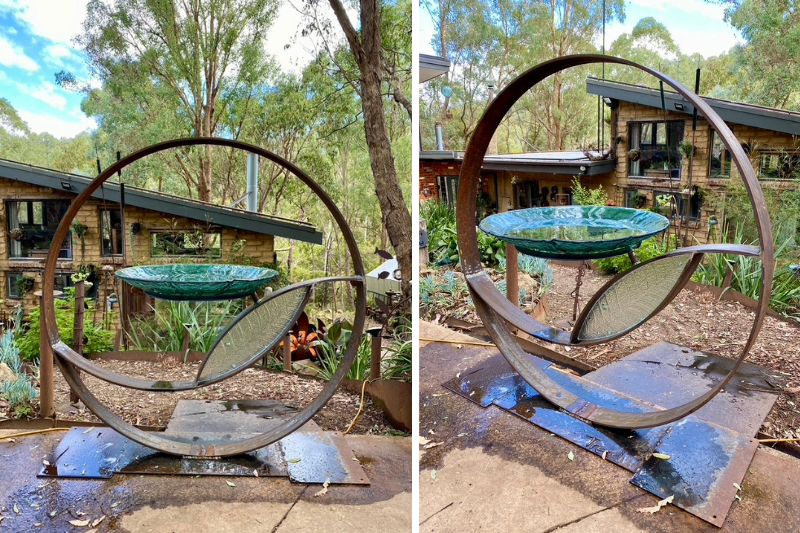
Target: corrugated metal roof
{"points": [[163, 203], [567, 163], [734, 112]]}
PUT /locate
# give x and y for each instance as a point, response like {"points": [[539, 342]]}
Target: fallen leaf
{"points": [[433, 445], [571, 456], [79, 523], [324, 490], [2, 518], [230, 483], [114, 504], [52, 514], [737, 497], [605, 453], [662, 456], [423, 441], [97, 521], [462, 434], [45, 462], [658, 506], [255, 473], [738, 487], [294, 461], [433, 475], [16, 508]]}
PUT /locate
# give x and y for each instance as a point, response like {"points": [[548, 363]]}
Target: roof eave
{"points": [[177, 207]]}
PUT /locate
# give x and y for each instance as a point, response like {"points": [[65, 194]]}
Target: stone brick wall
{"points": [[258, 248]]}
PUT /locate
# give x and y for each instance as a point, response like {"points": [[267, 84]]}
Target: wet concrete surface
{"points": [[209, 503], [484, 447]]}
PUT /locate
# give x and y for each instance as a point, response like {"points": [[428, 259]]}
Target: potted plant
{"points": [[634, 154], [687, 149], [16, 234]]}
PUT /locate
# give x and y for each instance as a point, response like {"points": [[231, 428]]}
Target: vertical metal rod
{"points": [[46, 382], [512, 274], [287, 353], [375, 359], [123, 299]]}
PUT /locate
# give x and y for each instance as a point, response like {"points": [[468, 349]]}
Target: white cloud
{"points": [[57, 53], [12, 55], [58, 21], [55, 125], [47, 93]]}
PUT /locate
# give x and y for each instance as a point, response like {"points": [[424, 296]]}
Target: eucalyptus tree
{"points": [[173, 69]]}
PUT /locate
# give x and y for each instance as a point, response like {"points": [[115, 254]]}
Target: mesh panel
{"points": [[252, 335], [634, 297]]}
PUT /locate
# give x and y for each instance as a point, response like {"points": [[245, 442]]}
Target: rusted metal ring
{"points": [[494, 309], [66, 357]]}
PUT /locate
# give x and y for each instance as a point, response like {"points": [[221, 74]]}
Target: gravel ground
{"points": [[155, 409]]}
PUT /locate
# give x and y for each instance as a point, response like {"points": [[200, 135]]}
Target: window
{"points": [[186, 243], [779, 166], [654, 149], [63, 281], [111, 230], [31, 226], [675, 208], [634, 199], [448, 189], [528, 194], [15, 285], [720, 158]]}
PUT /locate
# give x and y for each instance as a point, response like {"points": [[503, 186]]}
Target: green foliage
{"points": [[165, 330], [783, 207], [442, 291], [443, 237], [20, 393], [537, 268], [650, 249], [747, 275], [97, 339], [331, 354], [587, 196], [398, 359]]}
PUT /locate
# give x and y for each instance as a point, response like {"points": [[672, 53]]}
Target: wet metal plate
{"points": [[309, 455], [705, 462], [670, 375]]}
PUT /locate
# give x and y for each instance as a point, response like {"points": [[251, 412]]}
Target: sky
{"points": [[36, 42], [695, 25]]}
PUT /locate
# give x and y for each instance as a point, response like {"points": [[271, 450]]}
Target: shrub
{"points": [[537, 268], [165, 330], [747, 273], [650, 249], [20, 393], [443, 237], [97, 339], [331, 353], [587, 196]]}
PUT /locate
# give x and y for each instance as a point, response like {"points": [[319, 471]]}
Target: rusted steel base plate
{"points": [[706, 463], [709, 450], [309, 455]]}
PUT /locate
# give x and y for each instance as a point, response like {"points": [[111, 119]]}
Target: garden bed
{"points": [[695, 320], [155, 409]]}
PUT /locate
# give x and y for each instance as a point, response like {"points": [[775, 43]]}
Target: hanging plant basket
{"points": [[16, 234], [634, 154]]}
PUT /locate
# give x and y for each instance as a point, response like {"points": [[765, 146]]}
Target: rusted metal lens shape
{"points": [[72, 364], [497, 312]]}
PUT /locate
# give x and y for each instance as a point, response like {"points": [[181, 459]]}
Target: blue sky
{"points": [[36, 42], [695, 25]]}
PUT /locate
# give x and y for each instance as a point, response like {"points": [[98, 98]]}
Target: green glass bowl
{"points": [[197, 281], [575, 232]]}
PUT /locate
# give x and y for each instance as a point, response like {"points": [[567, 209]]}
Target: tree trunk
{"points": [[368, 53]]}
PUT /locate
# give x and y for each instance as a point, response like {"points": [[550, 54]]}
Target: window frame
{"points": [[795, 155], [714, 136], [67, 248], [154, 233], [637, 125], [101, 211]]}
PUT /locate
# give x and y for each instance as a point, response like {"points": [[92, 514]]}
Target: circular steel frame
{"points": [[495, 310], [71, 363]]}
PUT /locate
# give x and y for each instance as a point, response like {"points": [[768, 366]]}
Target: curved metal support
{"points": [[71, 363], [495, 310]]}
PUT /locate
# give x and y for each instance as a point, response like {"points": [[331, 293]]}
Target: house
{"points": [[658, 158], [151, 228]]}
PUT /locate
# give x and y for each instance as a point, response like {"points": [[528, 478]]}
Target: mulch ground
{"points": [[155, 408], [696, 321]]}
